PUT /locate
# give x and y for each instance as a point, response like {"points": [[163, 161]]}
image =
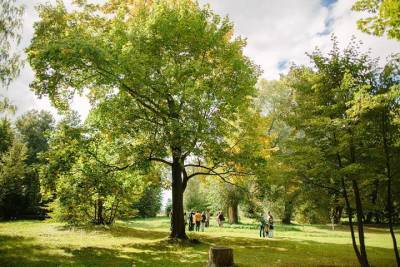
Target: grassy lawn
{"points": [[145, 243]]}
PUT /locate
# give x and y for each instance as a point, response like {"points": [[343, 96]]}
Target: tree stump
{"points": [[220, 257]]}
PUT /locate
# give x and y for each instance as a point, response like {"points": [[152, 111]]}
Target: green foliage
{"points": [[12, 181], [10, 26], [6, 105], [196, 197], [91, 195], [168, 207], [87, 177], [6, 135], [149, 203], [34, 128], [20, 164], [62, 153], [384, 17]]}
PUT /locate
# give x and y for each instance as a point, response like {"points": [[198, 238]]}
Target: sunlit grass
{"points": [[145, 243]]}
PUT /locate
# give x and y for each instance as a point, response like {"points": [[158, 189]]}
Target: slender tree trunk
{"points": [[95, 213], [359, 207], [338, 214], [113, 212], [360, 224], [390, 209], [374, 196], [349, 212], [233, 213], [386, 148], [177, 220]]}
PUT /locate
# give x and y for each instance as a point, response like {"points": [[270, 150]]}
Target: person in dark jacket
{"points": [[263, 223], [190, 221]]}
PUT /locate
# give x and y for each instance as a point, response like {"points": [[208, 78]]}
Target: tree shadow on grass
{"points": [[117, 231], [21, 251]]}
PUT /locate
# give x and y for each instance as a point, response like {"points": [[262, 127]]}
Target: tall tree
{"points": [[320, 114], [274, 99], [33, 128], [379, 111], [12, 181], [167, 75]]}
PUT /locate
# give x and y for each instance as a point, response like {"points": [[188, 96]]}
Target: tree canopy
{"points": [[166, 78]]}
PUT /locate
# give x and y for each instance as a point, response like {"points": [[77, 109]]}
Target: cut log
{"points": [[220, 257]]}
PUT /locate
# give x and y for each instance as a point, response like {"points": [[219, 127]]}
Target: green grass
{"points": [[145, 243]]}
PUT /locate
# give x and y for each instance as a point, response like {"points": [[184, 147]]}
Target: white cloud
{"points": [[276, 31], [280, 31]]}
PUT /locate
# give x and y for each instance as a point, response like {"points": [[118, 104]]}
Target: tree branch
{"points": [[160, 160]]}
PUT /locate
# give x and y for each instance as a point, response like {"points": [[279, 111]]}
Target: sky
{"points": [[278, 33]]}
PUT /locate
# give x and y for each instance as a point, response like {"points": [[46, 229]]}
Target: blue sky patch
{"points": [[282, 64], [328, 3], [328, 27]]}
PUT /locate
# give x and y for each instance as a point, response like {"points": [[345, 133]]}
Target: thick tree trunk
{"points": [[288, 212], [100, 217], [337, 212], [233, 217], [220, 257], [177, 220]]}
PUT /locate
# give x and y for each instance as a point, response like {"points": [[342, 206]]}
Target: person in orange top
{"points": [[197, 219]]}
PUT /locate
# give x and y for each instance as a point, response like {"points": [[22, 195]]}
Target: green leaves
{"points": [[161, 76], [384, 17], [10, 26]]}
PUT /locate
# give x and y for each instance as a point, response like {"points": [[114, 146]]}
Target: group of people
{"points": [[266, 225], [197, 220]]}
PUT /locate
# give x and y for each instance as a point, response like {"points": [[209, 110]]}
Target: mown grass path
{"points": [[145, 243]]}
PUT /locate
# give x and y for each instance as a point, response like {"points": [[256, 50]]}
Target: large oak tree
{"points": [[168, 78]]}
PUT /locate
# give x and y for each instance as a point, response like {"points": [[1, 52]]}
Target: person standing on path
{"points": [[197, 220], [270, 225], [220, 219], [191, 221], [203, 221], [263, 223]]}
